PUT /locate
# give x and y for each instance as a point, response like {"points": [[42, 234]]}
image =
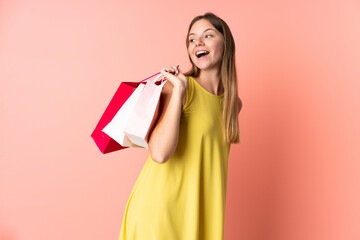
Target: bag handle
{"points": [[155, 78]]}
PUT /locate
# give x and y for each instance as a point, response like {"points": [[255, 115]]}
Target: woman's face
{"points": [[206, 45]]}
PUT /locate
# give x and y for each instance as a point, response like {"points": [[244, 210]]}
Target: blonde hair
{"points": [[230, 124]]}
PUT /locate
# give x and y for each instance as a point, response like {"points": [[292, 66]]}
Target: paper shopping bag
{"points": [[115, 128], [104, 142], [145, 113]]}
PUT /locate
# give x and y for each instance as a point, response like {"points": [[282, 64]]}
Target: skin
{"points": [[164, 137], [204, 36]]}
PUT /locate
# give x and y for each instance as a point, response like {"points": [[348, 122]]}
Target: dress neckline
{"points": [[206, 91]]}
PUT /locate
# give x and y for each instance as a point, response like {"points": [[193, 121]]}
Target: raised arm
{"points": [[164, 137]]}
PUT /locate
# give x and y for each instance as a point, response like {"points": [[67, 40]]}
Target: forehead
{"points": [[200, 26]]}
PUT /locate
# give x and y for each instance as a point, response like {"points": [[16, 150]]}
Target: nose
{"points": [[199, 42]]}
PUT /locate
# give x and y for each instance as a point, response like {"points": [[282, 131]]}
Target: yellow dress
{"points": [[184, 198]]}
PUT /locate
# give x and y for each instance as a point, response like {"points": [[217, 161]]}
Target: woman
{"points": [[180, 193]]}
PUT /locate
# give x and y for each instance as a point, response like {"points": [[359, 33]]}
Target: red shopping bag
{"points": [[104, 142]]}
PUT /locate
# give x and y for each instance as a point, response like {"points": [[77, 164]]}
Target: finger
{"points": [[171, 70], [174, 70], [168, 70], [165, 73], [178, 69]]}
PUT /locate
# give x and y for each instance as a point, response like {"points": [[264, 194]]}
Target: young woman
{"points": [[180, 193]]}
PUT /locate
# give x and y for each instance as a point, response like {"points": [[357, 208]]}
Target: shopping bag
{"points": [[104, 142], [115, 128], [145, 113]]}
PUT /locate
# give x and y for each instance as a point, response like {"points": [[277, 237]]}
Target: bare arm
{"points": [[164, 137]]}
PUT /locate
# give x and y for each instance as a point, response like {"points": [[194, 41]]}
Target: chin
{"points": [[204, 66]]}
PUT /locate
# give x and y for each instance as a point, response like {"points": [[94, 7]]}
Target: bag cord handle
{"points": [[153, 76]]}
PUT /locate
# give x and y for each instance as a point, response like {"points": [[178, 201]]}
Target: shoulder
{"points": [[239, 104], [167, 92]]}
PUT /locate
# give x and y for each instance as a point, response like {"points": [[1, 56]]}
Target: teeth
{"points": [[201, 52]]}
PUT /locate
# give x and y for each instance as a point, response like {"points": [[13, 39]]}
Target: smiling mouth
{"points": [[201, 54]]}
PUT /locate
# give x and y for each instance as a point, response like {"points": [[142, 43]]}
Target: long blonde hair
{"points": [[228, 77]]}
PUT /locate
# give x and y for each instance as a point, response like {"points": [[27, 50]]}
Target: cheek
{"points": [[220, 48], [190, 50]]}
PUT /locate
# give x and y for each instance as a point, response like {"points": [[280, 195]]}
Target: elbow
{"points": [[160, 152], [158, 155], [159, 158]]}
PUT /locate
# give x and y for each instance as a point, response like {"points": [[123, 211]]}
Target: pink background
{"points": [[295, 176]]}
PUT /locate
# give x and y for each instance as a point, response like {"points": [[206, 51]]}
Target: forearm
{"points": [[164, 137]]}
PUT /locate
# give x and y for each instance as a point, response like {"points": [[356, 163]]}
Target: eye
{"points": [[208, 35], [191, 40]]}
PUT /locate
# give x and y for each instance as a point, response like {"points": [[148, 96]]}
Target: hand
{"points": [[175, 76]]}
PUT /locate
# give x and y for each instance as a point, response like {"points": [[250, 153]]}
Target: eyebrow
{"points": [[203, 31]]}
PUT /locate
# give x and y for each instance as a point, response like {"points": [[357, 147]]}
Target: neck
{"points": [[211, 80]]}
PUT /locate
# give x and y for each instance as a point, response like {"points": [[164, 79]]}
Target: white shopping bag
{"points": [[115, 128], [145, 113]]}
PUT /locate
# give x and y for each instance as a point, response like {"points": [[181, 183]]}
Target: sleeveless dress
{"points": [[184, 198]]}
